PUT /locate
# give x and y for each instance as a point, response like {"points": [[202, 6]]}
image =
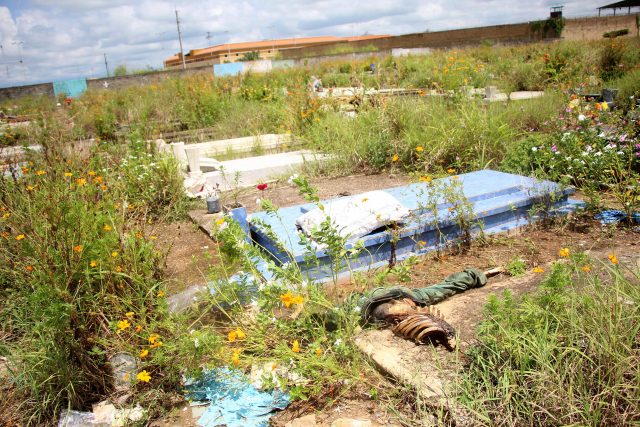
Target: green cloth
{"points": [[454, 284]]}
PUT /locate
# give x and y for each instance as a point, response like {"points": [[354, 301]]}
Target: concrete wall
{"points": [[594, 27], [511, 33], [115, 83], [374, 56], [16, 92]]}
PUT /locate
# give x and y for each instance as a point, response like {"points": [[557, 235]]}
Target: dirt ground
{"points": [[191, 253]]}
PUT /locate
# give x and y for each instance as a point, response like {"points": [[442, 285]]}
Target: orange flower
{"points": [[613, 258], [77, 248], [236, 357], [538, 270], [287, 299], [319, 351], [81, 181], [564, 252], [123, 324], [107, 227], [586, 268], [40, 172], [426, 179], [161, 294], [451, 170], [20, 237], [395, 158], [138, 328], [419, 149], [144, 353], [153, 338], [28, 268]]}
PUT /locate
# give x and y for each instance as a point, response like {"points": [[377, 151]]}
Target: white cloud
{"points": [[67, 38]]}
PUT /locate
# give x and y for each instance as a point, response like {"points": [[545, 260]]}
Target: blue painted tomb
{"points": [[500, 202]]}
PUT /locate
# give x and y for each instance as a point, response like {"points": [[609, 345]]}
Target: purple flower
{"points": [[554, 148]]}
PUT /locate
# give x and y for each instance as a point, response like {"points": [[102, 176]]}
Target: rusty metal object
{"points": [[427, 326]]}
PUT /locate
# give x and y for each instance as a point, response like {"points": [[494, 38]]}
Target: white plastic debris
{"points": [[356, 216]]}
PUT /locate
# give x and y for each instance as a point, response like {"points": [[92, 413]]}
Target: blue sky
{"points": [[67, 38]]}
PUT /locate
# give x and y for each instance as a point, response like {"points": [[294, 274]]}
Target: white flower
{"points": [[581, 117], [338, 342], [196, 343], [291, 178], [258, 201], [534, 149]]}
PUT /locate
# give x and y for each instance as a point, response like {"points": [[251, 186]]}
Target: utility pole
{"points": [[106, 64], [209, 37], [184, 66]]}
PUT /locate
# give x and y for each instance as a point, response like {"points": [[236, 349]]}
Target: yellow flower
{"points": [[220, 221], [92, 173], [138, 328], [153, 338], [107, 227], [564, 252], [240, 334], [232, 336], [613, 259], [319, 351], [93, 264], [287, 299], [77, 248], [451, 170], [586, 268], [395, 158], [81, 181], [604, 105], [30, 188], [130, 314], [236, 357], [144, 353], [538, 270], [295, 347], [118, 269], [124, 324], [153, 237], [68, 174], [156, 344], [426, 179], [421, 243], [161, 294], [365, 199], [114, 254], [298, 300], [40, 172], [6, 215], [144, 376], [20, 237], [103, 187], [419, 149], [456, 177]]}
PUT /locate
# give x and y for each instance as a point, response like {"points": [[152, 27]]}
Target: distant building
{"points": [[268, 49]]}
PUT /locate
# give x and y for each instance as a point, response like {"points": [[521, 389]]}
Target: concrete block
{"points": [[526, 94]]}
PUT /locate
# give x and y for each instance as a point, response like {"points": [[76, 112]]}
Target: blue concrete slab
{"points": [[500, 202], [72, 88]]}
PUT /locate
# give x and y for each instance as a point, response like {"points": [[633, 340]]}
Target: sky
{"points": [[44, 40]]}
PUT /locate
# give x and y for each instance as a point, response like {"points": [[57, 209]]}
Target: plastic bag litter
{"points": [[613, 216], [234, 402]]}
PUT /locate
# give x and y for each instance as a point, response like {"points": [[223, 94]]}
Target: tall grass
{"points": [[566, 355]]}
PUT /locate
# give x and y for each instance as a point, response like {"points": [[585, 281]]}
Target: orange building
{"points": [[268, 49]]}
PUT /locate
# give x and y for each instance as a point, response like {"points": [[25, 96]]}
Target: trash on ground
{"points": [[613, 216], [234, 402]]}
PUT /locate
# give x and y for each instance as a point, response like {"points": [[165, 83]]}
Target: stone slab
{"points": [[255, 170], [526, 94], [407, 363]]}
